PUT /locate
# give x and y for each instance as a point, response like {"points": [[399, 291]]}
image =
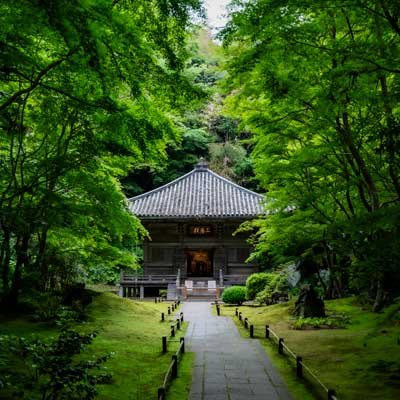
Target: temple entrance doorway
{"points": [[199, 262]]}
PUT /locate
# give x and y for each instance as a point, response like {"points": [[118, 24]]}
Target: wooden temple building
{"points": [[192, 250]]}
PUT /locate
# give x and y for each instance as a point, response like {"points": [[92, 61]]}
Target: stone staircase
{"points": [[201, 297], [200, 290]]}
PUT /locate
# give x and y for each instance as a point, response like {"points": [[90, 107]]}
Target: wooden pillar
{"points": [[219, 261], [179, 259], [141, 292], [174, 372]]}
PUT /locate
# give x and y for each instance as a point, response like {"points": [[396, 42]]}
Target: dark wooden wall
{"points": [[165, 252]]}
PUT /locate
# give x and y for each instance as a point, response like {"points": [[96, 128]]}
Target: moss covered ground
{"points": [[361, 361], [132, 331]]}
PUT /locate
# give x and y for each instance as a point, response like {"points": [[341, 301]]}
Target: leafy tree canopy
{"points": [[87, 90], [318, 84]]}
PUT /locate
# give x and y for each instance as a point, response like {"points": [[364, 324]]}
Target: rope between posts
{"points": [[168, 375], [314, 376], [172, 370], [288, 350], [273, 333], [331, 393]]}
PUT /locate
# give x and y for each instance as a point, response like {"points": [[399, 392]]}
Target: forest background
{"points": [[101, 100]]}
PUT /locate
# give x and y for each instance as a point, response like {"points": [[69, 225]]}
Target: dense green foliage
{"points": [[205, 129], [318, 84], [96, 93], [128, 330], [87, 91], [257, 282], [321, 323], [267, 287], [50, 371], [276, 290], [234, 295]]}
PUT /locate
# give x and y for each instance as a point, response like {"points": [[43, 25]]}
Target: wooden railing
{"points": [[302, 370], [172, 371], [224, 280], [148, 279], [234, 279]]}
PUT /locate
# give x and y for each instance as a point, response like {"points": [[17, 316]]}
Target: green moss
{"points": [[132, 331], [360, 361]]}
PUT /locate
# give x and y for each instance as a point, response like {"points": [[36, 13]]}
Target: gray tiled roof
{"points": [[200, 193]]}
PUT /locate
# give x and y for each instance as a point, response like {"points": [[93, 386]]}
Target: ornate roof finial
{"points": [[201, 165]]}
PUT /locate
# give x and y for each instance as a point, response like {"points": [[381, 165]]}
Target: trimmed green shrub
{"points": [[234, 295], [275, 289], [255, 283]]}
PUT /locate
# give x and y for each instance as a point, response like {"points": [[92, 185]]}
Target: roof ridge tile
{"points": [[216, 197]]}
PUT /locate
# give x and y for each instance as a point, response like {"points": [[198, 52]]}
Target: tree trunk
{"points": [[346, 135], [379, 297], [391, 147], [321, 281], [41, 264], [5, 256], [21, 250], [368, 179]]}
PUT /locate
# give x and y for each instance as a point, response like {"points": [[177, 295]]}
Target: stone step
{"points": [[199, 299], [201, 294]]}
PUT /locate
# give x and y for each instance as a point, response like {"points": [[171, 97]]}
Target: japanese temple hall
{"points": [[192, 250]]}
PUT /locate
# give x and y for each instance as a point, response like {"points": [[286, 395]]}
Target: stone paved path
{"points": [[227, 366]]}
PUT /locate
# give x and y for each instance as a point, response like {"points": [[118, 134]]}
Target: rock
{"points": [[76, 293], [309, 304]]}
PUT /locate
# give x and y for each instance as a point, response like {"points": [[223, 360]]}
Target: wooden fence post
{"points": [[280, 346], [240, 315], [218, 310], [169, 310], [181, 316], [172, 330], [162, 317], [331, 394], [299, 366], [173, 307], [174, 366], [161, 393], [182, 340], [246, 323], [267, 331], [251, 331], [164, 344], [178, 324]]}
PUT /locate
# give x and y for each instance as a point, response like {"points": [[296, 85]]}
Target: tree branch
{"points": [[36, 82]]}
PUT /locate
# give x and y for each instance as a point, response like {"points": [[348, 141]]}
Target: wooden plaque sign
{"points": [[200, 230]]}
